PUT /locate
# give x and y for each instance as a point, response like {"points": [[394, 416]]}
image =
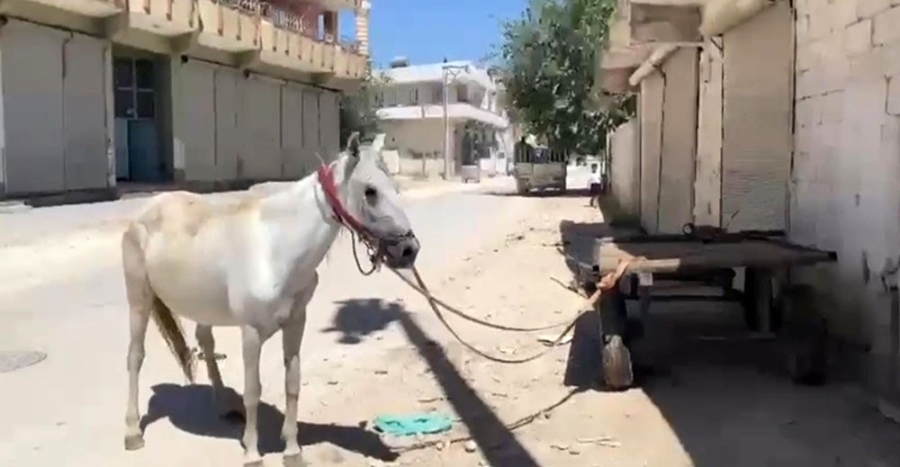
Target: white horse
{"points": [[251, 265]]}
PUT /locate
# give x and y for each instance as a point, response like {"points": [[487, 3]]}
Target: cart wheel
{"points": [[751, 301], [617, 371], [806, 333], [807, 363]]}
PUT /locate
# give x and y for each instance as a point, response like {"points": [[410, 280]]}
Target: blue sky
{"points": [[426, 31]]}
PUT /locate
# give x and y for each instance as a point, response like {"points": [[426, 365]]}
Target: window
{"points": [[133, 95], [143, 74], [462, 93], [390, 98], [414, 96], [437, 94]]}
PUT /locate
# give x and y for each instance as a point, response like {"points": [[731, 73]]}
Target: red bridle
{"points": [[326, 179]]}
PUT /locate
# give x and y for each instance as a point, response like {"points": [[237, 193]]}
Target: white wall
{"points": [[651, 114], [227, 126], [626, 169], [708, 179], [55, 123], [419, 137], [679, 141]]}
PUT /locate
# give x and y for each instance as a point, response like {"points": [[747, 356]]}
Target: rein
{"points": [[359, 232]]}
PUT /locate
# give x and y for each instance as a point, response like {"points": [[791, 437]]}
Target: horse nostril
{"points": [[407, 252]]}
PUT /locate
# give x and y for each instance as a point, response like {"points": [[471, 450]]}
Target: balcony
{"points": [[249, 33], [337, 5], [455, 111], [88, 8]]}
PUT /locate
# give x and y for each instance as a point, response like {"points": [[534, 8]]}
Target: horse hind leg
{"points": [[225, 406], [140, 304]]}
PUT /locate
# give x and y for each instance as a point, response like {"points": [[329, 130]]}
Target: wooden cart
{"points": [[679, 258]]}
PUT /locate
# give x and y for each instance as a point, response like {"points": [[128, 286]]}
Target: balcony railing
{"points": [[255, 31]]}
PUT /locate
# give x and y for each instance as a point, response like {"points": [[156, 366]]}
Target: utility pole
{"points": [[448, 75]]}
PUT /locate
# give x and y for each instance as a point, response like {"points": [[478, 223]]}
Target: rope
{"points": [[353, 241], [607, 282]]}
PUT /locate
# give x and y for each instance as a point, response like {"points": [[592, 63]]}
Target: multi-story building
{"points": [[96, 92], [411, 113]]}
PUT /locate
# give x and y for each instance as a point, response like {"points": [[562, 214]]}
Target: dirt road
{"points": [[373, 348], [717, 406]]}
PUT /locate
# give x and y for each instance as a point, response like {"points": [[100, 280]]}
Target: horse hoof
{"points": [[133, 443], [254, 463], [294, 460]]}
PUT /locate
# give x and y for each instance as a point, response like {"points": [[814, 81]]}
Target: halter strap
{"points": [[326, 179]]}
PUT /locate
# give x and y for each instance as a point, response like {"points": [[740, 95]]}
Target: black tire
{"points": [[748, 303], [807, 363]]}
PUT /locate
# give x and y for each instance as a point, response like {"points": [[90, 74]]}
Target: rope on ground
{"points": [[521, 422]]}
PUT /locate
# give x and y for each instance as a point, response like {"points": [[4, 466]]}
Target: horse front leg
{"points": [[292, 338], [252, 346]]}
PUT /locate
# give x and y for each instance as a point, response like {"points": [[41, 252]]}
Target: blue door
{"points": [[145, 163]]}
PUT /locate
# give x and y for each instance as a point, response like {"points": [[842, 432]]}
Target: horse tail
{"points": [[139, 289], [173, 333]]}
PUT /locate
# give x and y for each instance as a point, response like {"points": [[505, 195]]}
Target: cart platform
{"points": [[712, 259], [670, 254]]}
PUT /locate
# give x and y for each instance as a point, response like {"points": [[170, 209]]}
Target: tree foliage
{"points": [[358, 109], [547, 63]]}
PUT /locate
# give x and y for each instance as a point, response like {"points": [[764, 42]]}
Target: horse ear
{"points": [[353, 144]]}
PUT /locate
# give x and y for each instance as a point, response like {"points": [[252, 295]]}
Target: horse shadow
{"points": [[356, 319], [191, 409]]}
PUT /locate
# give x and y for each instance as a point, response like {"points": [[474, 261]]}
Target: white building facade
{"points": [[411, 113], [96, 93]]}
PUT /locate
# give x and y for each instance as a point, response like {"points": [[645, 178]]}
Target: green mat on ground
{"points": [[413, 424]]}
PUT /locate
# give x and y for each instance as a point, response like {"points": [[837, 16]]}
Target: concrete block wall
{"points": [[845, 194]]}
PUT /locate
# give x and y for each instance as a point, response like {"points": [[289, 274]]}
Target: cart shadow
{"points": [[724, 398], [497, 443], [190, 408]]}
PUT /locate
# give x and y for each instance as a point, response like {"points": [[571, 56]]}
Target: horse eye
{"points": [[371, 194]]}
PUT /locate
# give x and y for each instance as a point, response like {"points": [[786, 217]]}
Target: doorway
{"points": [[138, 154]]}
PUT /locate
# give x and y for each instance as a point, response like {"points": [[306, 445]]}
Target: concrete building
{"points": [[783, 115], [411, 113], [206, 92]]}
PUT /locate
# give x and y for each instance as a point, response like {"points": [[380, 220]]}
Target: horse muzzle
{"points": [[400, 252]]}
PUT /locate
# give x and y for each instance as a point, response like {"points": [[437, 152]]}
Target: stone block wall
{"points": [[845, 194]]}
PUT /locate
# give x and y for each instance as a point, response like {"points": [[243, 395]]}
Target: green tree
{"points": [[547, 64], [358, 109]]}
